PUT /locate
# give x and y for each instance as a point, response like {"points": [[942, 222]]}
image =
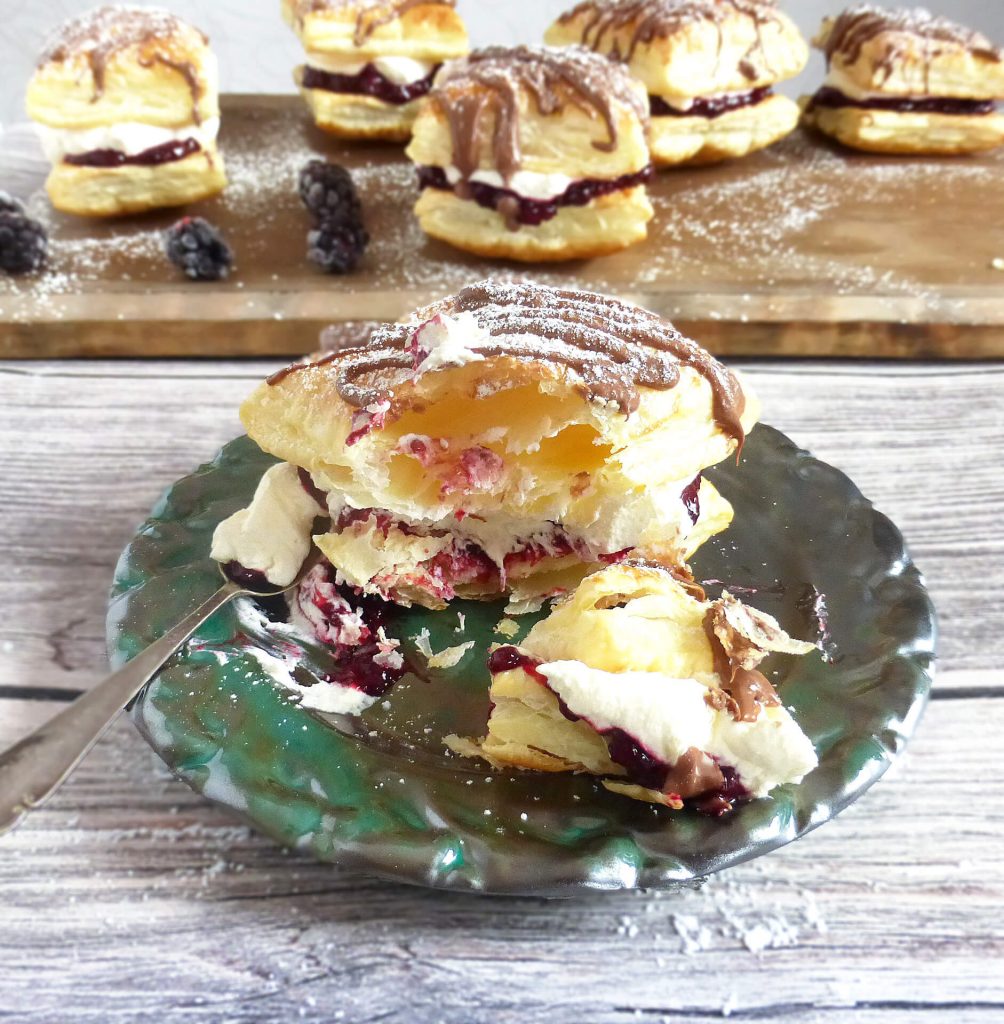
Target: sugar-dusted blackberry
{"points": [[196, 247], [23, 243], [329, 193], [336, 247], [8, 204]]}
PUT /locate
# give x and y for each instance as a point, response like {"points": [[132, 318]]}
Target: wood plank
{"points": [[799, 250], [130, 898], [108, 437]]}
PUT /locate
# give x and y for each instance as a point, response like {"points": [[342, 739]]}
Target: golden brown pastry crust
{"points": [[605, 225], [909, 53], [114, 191], [895, 132], [426, 31], [118, 65], [361, 117], [702, 140], [687, 48]]}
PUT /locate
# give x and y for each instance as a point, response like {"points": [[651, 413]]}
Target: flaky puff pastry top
{"points": [[428, 30], [123, 63], [574, 394], [689, 48], [908, 52], [540, 109]]}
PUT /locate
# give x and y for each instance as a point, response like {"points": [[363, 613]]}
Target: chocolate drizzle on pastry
{"points": [[479, 95], [613, 348], [855, 28], [370, 14], [102, 33], [659, 19], [743, 690]]}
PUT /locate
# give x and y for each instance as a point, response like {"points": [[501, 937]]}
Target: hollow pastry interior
{"points": [[507, 439], [369, 63], [546, 145], [126, 104], [638, 678], [709, 67], [904, 81]]}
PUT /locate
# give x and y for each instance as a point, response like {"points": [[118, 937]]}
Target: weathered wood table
{"points": [[129, 898]]}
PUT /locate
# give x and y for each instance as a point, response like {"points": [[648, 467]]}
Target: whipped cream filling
{"points": [[526, 184], [399, 70], [129, 137], [684, 103], [273, 534], [447, 341], [669, 716]]}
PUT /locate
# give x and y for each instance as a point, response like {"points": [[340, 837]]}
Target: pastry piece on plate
{"points": [[709, 67], [508, 439], [904, 81], [370, 63], [534, 153], [638, 678], [126, 103]]}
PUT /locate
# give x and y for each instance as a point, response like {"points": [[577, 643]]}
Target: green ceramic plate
{"points": [[380, 792]]}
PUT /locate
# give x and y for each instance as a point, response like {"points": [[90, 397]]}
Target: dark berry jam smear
{"points": [[713, 106], [165, 153], [531, 212], [368, 82], [829, 97], [251, 579]]}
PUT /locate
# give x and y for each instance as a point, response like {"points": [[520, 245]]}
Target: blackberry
{"points": [[196, 247], [329, 193], [8, 204], [335, 247], [23, 243]]}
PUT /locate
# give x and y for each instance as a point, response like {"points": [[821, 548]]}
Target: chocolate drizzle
{"points": [[614, 348], [660, 19], [479, 95], [743, 690], [370, 14], [847, 36], [104, 32]]}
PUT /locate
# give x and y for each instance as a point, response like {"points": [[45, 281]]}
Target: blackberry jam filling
{"points": [[829, 97], [517, 209], [165, 153], [712, 106], [368, 82]]}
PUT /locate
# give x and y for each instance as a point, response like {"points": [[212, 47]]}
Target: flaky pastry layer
{"points": [[676, 140], [605, 225], [351, 116]]}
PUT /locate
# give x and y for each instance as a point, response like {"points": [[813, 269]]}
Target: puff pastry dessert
{"points": [[638, 678], [370, 63], [508, 439], [709, 67], [904, 81], [533, 153], [126, 104]]}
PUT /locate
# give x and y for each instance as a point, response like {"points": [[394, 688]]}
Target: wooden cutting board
{"points": [[800, 250]]}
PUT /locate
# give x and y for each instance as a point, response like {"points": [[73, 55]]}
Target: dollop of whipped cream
{"points": [[273, 534], [128, 137], [447, 341], [669, 716]]}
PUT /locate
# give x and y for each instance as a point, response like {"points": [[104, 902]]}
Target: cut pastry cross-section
{"points": [[533, 153], [125, 100], [370, 63], [508, 439], [638, 678], [709, 67], [904, 81]]}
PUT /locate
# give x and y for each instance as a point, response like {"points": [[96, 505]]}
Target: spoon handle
{"points": [[34, 768]]}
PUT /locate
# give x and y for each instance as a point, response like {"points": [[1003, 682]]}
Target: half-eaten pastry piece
{"points": [[126, 104], [370, 63], [638, 678], [904, 81], [709, 67], [534, 153], [506, 440]]}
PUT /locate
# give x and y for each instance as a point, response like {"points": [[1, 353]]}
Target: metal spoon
{"points": [[33, 769]]}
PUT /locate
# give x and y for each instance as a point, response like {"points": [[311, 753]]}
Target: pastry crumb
{"points": [[450, 656], [507, 628]]}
